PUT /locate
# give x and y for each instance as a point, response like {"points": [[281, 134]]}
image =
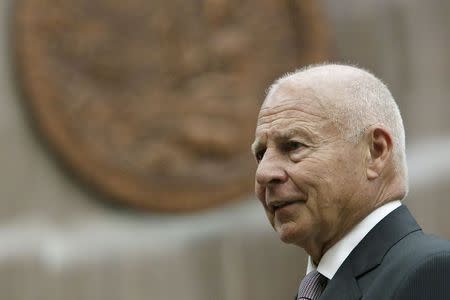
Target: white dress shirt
{"points": [[336, 255]]}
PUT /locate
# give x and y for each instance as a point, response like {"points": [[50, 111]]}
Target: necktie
{"points": [[312, 286]]}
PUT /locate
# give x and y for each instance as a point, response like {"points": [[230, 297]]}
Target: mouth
{"points": [[279, 204]]}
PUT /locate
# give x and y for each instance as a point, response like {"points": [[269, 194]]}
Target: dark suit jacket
{"points": [[395, 260]]}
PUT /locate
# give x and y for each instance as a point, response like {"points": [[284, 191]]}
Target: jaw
{"points": [[290, 223], [287, 232]]}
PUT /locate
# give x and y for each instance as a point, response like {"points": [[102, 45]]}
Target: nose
{"points": [[270, 170]]}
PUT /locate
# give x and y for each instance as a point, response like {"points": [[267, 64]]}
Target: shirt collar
{"points": [[336, 255]]}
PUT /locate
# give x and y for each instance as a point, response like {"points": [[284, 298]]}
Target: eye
{"points": [[260, 154], [292, 146]]}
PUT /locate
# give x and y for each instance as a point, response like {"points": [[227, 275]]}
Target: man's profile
{"points": [[331, 174]]}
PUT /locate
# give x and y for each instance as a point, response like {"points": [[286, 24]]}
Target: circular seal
{"points": [[154, 102]]}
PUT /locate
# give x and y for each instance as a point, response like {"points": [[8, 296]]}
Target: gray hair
{"points": [[354, 99]]}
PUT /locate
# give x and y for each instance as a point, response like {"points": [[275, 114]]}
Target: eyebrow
{"points": [[294, 131], [285, 135], [291, 132]]}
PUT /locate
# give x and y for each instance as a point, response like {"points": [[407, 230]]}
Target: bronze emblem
{"points": [[154, 102]]}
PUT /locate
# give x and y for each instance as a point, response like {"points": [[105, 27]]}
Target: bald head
{"points": [[352, 98]]}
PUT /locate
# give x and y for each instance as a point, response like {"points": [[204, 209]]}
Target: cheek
{"points": [[309, 175], [316, 178], [260, 193]]}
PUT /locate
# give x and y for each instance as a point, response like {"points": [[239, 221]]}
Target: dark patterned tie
{"points": [[312, 286]]}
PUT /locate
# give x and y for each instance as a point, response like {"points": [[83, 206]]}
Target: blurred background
{"points": [[59, 240]]}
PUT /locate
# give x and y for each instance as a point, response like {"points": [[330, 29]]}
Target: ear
{"points": [[380, 150]]}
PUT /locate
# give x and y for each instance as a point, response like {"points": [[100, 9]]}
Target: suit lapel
{"points": [[343, 286], [369, 253]]}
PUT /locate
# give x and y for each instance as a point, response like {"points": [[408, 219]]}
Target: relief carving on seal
{"points": [[154, 103]]}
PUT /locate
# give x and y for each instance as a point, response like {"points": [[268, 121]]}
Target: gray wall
{"points": [[58, 242]]}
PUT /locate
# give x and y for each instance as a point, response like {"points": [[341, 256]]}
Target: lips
{"points": [[278, 204]]}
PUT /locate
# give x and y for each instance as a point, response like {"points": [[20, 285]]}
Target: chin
{"points": [[288, 233]]}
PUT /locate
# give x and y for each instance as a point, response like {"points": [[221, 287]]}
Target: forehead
{"points": [[287, 118], [285, 106], [302, 108], [295, 94]]}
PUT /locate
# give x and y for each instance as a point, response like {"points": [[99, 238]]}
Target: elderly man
{"points": [[330, 148]]}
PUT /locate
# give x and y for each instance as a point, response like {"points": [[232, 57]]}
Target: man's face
{"points": [[308, 177]]}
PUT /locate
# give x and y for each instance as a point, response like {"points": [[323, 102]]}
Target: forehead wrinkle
{"points": [[284, 102], [301, 128], [286, 119], [300, 104], [291, 113], [278, 124]]}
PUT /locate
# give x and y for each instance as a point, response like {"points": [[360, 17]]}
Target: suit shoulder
{"points": [[405, 265], [427, 278], [416, 246]]}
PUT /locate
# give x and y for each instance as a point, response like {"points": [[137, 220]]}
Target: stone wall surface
{"points": [[58, 242]]}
